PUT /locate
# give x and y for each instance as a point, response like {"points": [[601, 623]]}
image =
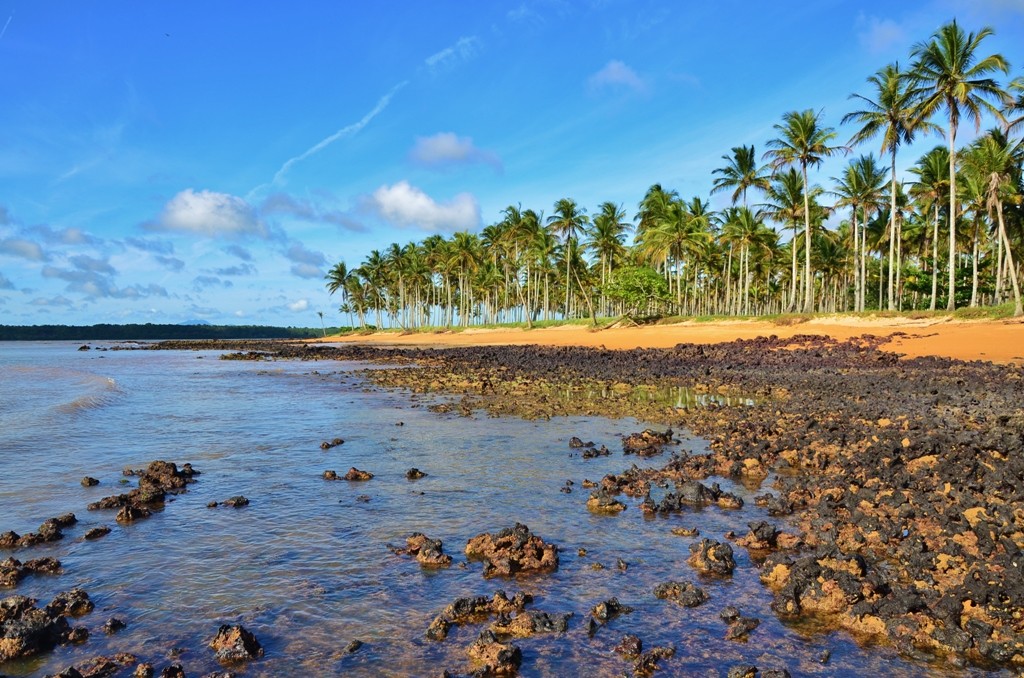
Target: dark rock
{"points": [[414, 474], [609, 609], [235, 644], [741, 628], [742, 671], [328, 444], [684, 593], [330, 475], [353, 646], [236, 502], [630, 646], [113, 625], [26, 631], [601, 501], [77, 635], [73, 603], [356, 474], [89, 481], [712, 557], [173, 671], [428, 552], [647, 662], [513, 551], [97, 532], [497, 658], [129, 514]]}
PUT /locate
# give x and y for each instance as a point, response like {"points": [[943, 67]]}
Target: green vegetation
{"points": [[149, 332], [966, 201]]}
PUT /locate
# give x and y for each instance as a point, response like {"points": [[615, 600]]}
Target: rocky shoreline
{"points": [[905, 477]]}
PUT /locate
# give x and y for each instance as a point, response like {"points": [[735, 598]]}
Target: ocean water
{"points": [[306, 567]]}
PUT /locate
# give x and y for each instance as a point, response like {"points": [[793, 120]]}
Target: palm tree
{"points": [[785, 204], [607, 238], [740, 173], [803, 141], [337, 279], [930, 188], [568, 220], [1015, 105], [859, 189], [888, 115], [993, 159], [949, 73]]}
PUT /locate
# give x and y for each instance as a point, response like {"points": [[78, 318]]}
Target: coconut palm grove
{"points": [[948, 234]]}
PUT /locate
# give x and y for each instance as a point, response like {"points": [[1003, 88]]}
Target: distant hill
{"points": [[151, 331]]}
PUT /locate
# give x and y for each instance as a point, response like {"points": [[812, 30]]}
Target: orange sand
{"points": [[1000, 341]]}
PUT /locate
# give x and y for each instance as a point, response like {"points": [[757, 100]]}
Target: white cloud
{"points": [[445, 149], [879, 36], [25, 249], [449, 56], [299, 306], [616, 74], [406, 205], [209, 214]]}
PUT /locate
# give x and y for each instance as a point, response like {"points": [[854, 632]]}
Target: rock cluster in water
{"points": [[513, 551]]}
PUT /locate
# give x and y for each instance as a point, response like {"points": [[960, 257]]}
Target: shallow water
{"points": [[306, 565]]}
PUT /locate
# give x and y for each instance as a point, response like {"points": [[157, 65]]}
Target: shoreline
{"points": [[998, 341]]}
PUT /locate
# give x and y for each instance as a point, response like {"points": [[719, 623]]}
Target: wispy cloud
{"points": [[239, 251], [282, 204], [879, 36], [6, 24], [23, 249], [616, 75], [306, 263], [462, 50], [5, 283], [342, 133], [405, 205], [446, 149]]}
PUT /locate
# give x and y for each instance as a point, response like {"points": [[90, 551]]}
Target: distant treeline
{"points": [[151, 331]]}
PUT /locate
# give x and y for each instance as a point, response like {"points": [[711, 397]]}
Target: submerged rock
{"points": [[328, 444], [414, 474]]}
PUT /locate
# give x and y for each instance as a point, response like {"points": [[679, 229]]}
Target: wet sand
{"points": [[999, 341]]}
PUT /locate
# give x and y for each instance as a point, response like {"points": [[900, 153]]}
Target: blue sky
{"points": [[174, 161]]}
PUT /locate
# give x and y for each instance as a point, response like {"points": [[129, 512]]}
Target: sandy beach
{"points": [[999, 341]]}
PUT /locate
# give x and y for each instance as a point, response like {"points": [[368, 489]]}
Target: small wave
{"points": [[101, 391]]}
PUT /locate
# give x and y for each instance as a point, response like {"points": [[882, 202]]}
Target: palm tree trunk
{"points": [[1018, 310], [951, 303], [974, 266], [808, 283], [892, 233], [792, 278], [935, 260]]}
